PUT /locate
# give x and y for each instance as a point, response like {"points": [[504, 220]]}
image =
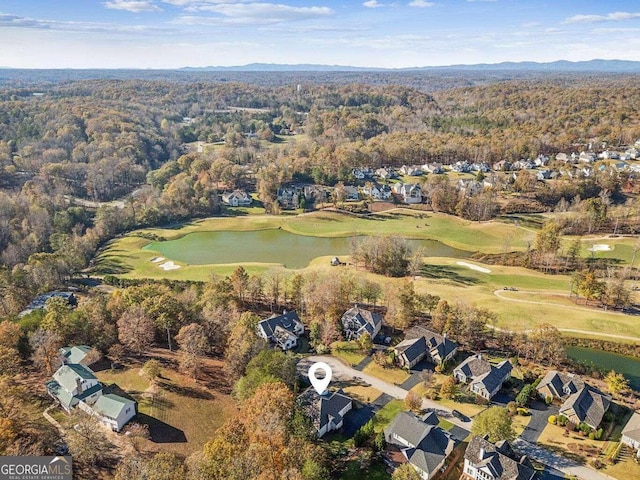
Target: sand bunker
{"points": [[601, 247], [157, 259], [169, 266], [474, 267]]}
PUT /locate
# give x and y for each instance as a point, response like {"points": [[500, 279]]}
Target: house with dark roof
{"points": [[282, 330], [587, 405], [484, 379], [72, 384], [40, 302], [559, 385], [485, 461], [357, 321], [77, 354], [421, 343], [424, 445], [631, 433], [326, 411]]}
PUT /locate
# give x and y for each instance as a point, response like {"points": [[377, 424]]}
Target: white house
{"points": [[77, 354], [237, 198], [377, 192], [72, 384], [631, 433], [326, 411], [410, 192], [114, 411]]}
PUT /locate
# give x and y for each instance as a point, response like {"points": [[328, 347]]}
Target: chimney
{"points": [[481, 452], [284, 312]]}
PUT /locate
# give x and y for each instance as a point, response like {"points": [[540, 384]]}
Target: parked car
{"points": [[460, 416]]}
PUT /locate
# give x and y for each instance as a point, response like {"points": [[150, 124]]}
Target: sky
{"points": [[369, 33]]}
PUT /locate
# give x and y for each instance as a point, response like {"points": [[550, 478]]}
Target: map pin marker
{"points": [[320, 384]]}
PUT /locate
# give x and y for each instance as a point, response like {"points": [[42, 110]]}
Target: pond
{"points": [[628, 366], [270, 246]]}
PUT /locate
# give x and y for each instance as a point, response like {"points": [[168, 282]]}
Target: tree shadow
{"points": [[441, 272], [110, 266], [186, 391], [161, 432]]}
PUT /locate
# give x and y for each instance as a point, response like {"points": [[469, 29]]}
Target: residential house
{"points": [[502, 166], [410, 192], [113, 410], [461, 167], [469, 187], [72, 384], [435, 168], [314, 193], [632, 153], [351, 193], [326, 411], [485, 461], [541, 160], [609, 155], [39, 303], [563, 157], [386, 173], [288, 198], [362, 173], [421, 343], [544, 174], [631, 433], [282, 330], [523, 165], [77, 354], [357, 321], [587, 157], [480, 167], [376, 191], [411, 171], [424, 445], [587, 405], [237, 198], [484, 378], [559, 385]]}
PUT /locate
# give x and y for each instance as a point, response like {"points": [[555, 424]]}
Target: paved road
{"points": [[558, 462], [342, 371]]}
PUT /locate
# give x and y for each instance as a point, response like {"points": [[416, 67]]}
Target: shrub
{"points": [[548, 399], [562, 421], [512, 408], [592, 436], [599, 434], [524, 412], [553, 419]]}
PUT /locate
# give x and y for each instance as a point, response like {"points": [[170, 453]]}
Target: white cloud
{"points": [[531, 24], [481, 0], [610, 17], [377, 4], [421, 4], [254, 13], [16, 21], [132, 5]]}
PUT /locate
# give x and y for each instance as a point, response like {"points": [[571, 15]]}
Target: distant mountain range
{"points": [[610, 66]]}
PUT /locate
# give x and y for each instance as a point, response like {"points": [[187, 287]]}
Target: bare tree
{"points": [[136, 329], [45, 346]]}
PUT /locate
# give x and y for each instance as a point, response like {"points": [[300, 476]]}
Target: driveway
{"points": [[557, 462], [539, 420]]}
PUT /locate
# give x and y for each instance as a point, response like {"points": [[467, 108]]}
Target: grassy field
{"points": [[386, 414], [181, 413], [391, 375], [348, 352]]}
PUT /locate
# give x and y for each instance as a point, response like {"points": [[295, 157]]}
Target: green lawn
{"points": [[386, 414], [348, 352], [182, 414], [377, 471], [391, 375]]}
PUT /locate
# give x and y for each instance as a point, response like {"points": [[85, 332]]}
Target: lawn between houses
{"points": [[182, 414]]}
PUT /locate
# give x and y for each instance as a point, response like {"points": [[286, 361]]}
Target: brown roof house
{"points": [[421, 343], [484, 379], [485, 461], [587, 405], [559, 385], [423, 444]]}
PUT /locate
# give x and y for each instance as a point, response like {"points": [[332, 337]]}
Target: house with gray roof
{"points": [[587, 405], [423, 444], [77, 354], [485, 461], [421, 343], [72, 384], [484, 379], [559, 385], [114, 411], [357, 321], [631, 433], [282, 330], [326, 411]]}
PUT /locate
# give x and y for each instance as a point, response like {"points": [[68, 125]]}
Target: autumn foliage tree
{"points": [[136, 330]]}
